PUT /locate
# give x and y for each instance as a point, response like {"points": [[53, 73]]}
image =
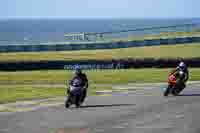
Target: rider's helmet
{"points": [[78, 70], [182, 65]]}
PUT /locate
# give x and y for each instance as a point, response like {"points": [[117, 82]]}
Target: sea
{"points": [[20, 31]]}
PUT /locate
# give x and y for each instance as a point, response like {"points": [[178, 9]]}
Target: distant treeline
{"points": [[97, 64], [92, 46]]}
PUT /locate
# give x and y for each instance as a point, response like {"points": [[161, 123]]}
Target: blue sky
{"points": [[99, 8]]}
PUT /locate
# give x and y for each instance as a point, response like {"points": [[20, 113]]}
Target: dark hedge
{"points": [[98, 64]]}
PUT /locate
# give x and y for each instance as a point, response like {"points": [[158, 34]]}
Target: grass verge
{"points": [[122, 76], [21, 85], [176, 51], [12, 93]]}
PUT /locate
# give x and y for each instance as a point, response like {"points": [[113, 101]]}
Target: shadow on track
{"points": [[103, 106], [189, 95]]}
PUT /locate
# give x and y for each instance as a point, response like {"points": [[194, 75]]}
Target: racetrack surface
{"points": [[141, 111]]}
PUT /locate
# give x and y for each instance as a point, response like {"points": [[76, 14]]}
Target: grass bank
{"points": [[95, 77], [22, 85], [164, 51]]}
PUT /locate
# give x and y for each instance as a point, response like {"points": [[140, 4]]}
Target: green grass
{"points": [[11, 93], [95, 77], [21, 85], [165, 51]]}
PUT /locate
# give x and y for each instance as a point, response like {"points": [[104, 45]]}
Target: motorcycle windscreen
{"points": [[75, 90], [77, 82]]}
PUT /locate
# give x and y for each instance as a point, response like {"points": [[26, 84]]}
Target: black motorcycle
{"points": [[75, 95]]}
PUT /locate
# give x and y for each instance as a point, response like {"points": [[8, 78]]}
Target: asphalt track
{"points": [[140, 111]]}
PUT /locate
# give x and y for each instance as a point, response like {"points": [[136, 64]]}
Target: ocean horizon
{"points": [[53, 30]]}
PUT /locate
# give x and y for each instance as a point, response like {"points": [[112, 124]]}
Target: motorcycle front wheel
{"points": [[167, 91], [77, 102], [67, 102]]}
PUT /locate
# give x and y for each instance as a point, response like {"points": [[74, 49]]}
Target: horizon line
{"points": [[54, 18]]}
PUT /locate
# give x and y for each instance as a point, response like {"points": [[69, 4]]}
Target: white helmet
{"points": [[182, 65]]}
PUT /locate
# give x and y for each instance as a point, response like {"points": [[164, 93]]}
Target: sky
{"points": [[99, 8]]}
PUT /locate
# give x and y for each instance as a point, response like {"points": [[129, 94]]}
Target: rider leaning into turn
{"points": [[181, 72], [84, 81]]}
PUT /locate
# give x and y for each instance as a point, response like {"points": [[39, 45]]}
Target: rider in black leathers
{"points": [[83, 79], [182, 74]]}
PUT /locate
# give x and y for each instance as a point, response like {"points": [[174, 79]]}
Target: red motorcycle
{"points": [[174, 86]]}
